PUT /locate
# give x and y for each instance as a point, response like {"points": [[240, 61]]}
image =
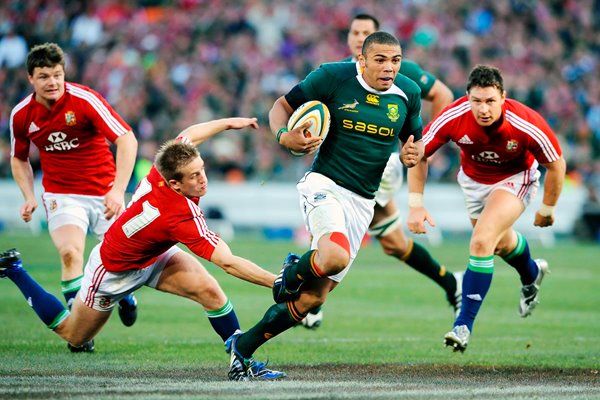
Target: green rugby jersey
{"points": [[366, 125], [411, 69]]}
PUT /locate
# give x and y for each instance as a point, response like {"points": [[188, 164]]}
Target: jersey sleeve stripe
{"points": [[100, 108], [537, 134], [15, 110], [444, 118], [201, 224]]}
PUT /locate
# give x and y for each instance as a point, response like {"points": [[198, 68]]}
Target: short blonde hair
{"points": [[172, 156]]}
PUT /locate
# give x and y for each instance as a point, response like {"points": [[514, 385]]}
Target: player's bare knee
{"points": [[209, 294], [214, 293], [335, 256], [481, 245], [70, 255], [334, 261]]}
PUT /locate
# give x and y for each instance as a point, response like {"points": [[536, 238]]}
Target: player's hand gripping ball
{"points": [[316, 112]]}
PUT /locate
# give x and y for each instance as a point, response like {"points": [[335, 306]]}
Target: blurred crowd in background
{"points": [[164, 65]]}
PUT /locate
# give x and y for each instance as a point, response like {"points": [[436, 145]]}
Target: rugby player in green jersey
{"points": [[373, 109], [386, 226]]}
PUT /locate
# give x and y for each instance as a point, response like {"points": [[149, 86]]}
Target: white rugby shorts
{"points": [[391, 181], [102, 289], [523, 185], [76, 209], [328, 207]]}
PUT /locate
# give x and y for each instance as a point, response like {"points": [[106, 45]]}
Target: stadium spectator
{"points": [[337, 193], [86, 28], [84, 187], [501, 141], [13, 50], [139, 249], [386, 226]]}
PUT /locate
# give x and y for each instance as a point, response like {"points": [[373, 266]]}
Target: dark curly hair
{"points": [[45, 55], [485, 76]]}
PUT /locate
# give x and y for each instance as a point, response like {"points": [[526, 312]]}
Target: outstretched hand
{"points": [[240, 123]]}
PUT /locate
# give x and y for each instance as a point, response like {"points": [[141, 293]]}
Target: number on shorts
{"points": [[140, 221]]}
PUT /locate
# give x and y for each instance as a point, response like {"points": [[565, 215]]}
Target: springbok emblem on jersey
{"points": [[349, 106], [393, 113]]}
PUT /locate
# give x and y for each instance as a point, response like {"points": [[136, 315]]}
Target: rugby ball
{"points": [[316, 112]]}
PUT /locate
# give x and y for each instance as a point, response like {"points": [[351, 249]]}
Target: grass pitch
{"points": [[381, 337]]}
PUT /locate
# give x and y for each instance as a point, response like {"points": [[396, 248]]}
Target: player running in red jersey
{"points": [[501, 142], [83, 188]]}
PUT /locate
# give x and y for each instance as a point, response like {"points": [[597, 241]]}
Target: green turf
{"points": [[383, 313]]}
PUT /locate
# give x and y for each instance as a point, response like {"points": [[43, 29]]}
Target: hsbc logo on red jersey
{"points": [[487, 157], [59, 142]]}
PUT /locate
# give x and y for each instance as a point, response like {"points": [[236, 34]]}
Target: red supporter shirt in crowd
{"points": [[71, 138], [156, 219], [489, 156]]}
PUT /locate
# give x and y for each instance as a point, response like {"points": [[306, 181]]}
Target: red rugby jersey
{"points": [[71, 138], [488, 157], [156, 219]]}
